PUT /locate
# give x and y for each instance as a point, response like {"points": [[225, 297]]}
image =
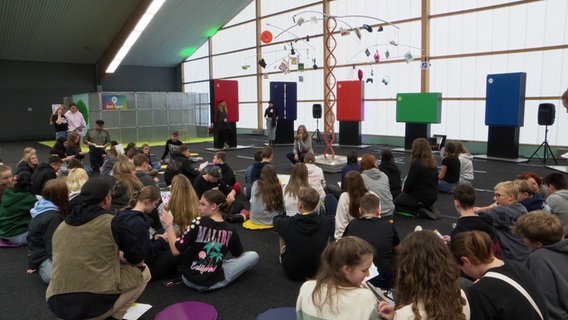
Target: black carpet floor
{"points": [[22, 296]]}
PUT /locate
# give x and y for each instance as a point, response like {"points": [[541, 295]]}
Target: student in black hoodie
{"points": [[157, 254], [45, 172], [180, 163], [172, 145], [303, 237], [389, 167], [464, 200]]}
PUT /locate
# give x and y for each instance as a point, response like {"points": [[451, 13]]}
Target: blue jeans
{"points": [[19, 239], [157, 166], [45, 270], [290, 157], [446, 187], [60, 134], [232, 268], [271, 129]]}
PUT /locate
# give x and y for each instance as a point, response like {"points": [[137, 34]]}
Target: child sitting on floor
{"points": [[336, 293], [381, 234]]}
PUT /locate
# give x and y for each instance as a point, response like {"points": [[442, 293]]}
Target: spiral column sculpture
{"points": [[330, 81]]}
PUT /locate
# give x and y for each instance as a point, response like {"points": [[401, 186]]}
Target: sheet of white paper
{"points": [[373, 272], [136, 310]]}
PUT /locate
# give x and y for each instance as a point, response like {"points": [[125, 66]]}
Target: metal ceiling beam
{"points": [[121, 36]]}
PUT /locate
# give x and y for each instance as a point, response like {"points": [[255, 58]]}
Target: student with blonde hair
{"points": [[76, 178], [298, 180], [183, 203], [504, 215], [336, 292], [126, 183], [532, 201], [28, 163]]}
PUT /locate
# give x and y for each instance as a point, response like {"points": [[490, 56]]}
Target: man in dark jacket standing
{"points": [[303, 236], [44, 172]]}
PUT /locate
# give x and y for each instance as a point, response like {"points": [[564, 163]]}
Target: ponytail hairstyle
{"points": [[55, 190], [474, 245], [217, 197], [147, 193], [347, 251], [451, 149], [428, 274], [354, 185]]}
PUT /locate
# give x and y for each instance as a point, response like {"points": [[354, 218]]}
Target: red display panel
{"points": [[350, 100], [227, 90]]}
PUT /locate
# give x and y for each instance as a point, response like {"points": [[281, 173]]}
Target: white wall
{"points": [[499, 34]]}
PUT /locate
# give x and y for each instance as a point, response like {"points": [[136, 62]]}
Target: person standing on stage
{"points": [[271, 116]]}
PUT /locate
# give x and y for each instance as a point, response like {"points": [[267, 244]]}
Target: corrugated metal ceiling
{"points": [[79, 31]]}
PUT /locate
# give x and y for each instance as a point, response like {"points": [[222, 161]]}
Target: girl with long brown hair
{"points": [[74, 146], [47, 214], [427, 282], [183, 203], [298, 180], [420, 189], [348, 204], [336, 292], [267, 198], [302, 145]]}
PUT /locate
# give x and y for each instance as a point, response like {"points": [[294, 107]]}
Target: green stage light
{"points": [[187, 52], [211, 32]]}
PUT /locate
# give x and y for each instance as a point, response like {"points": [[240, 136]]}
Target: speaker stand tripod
{"points": [[317, 133], [546, 149]]}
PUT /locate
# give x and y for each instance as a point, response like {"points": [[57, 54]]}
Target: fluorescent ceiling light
{"points": [[135, 34]]}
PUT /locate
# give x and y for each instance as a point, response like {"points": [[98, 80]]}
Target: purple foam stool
{"points": [[6, 244], [193, 310], [283, 313]]}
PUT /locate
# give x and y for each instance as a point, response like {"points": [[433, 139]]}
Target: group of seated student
{"points": [[495, 246], [92, 226]]}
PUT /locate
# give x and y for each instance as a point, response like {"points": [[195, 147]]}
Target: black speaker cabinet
{"points": [[546, 114], [316, 111]]}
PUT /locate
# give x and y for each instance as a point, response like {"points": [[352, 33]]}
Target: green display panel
{"points": [[419, 107]]}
